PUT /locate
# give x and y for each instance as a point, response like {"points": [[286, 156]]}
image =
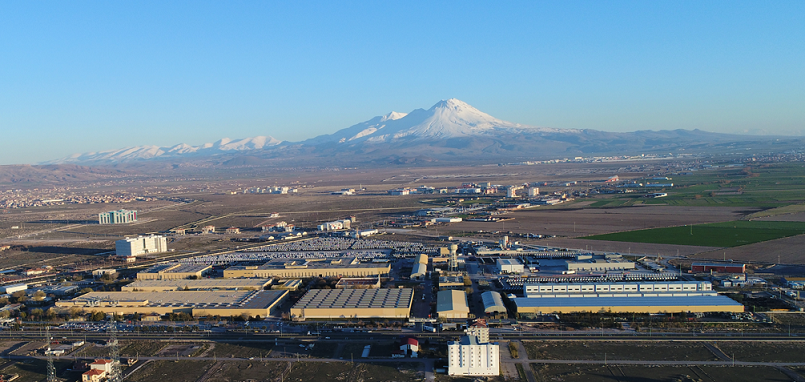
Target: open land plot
{"points": [[637, 351], [240, 349], [578, 222], [786, 251], [319, 371], [626, 247], [613, 373], [764, 351], [726, 234], [171, 371], [143, 348], [34, 370], [223, 371]]}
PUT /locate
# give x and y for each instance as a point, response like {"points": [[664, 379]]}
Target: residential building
{"points": [[117, 217]]}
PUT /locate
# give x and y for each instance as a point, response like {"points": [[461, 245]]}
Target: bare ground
{"points": [[627, 248], [577, 222], [787, 250]]}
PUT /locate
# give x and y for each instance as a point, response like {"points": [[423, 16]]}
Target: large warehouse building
{"points": [[305, 268], [452, 304], [721, 268], [172, 271], [695, 304], [200, 284], [198, 303], [640, 297], [141, 245], [354, 303]]}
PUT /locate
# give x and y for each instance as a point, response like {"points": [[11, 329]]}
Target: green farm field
{"points": [[766, 186], [727, 234]]}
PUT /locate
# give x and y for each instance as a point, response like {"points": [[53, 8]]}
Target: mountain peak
{"points": [[452, 103], [393, 116]]}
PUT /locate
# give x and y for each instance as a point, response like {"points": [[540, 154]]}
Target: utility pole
{"points": [[114, 375], [51, 368]]}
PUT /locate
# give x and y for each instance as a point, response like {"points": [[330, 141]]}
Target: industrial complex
{"points": [[198, 303], [354, 303], [305, 268]]}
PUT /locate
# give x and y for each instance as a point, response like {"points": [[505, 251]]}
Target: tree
{"points": [[39, 295]]}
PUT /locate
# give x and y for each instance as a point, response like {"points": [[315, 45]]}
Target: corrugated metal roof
{"points": [[493, 302], [603, 302], [451, 300]]}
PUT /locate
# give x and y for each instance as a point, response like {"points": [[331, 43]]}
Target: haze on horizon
{"points": [[80, 77]]}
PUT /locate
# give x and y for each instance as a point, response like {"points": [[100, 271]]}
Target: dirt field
{"points": [[764, 351], [627, 248], [636, 351], [794, 217], [577, 222], [788, 250], [602, 373], [171, 371]]}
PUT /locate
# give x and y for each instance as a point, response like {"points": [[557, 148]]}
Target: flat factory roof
{"points": [[451, 300], [596, 303], [260, 299], [200, 284], [356, 298]]}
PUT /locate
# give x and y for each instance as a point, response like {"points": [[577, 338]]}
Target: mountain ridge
{"points": [[450, 129]]}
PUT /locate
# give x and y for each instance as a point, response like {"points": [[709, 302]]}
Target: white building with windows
{"points": [[117, 217], [473, 354], [141, 245]]}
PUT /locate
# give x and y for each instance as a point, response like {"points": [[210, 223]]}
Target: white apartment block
{"points": [[473, 354], [141, 245]]}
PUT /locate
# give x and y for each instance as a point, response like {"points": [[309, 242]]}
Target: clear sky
{"points": [[98, 75]]}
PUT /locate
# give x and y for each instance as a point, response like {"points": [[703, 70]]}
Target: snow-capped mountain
{"points": [[130, 154], [451, 130], [451, 118]]}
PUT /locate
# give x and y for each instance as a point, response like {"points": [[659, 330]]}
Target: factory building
{"points": [[358, 283], [419, 271], [198, 303], [173, 271], [720, 268], [473, 354], [509, 266], [694, 304], [452, 304], [141, 245], [420, 267], [335, 225], [641, 297], [451, 282], [9, 289], [641, 289], [354, 303], [293, 284], [306, 268], [200, 284], [117, 217], [493, 303], [597, 263]]}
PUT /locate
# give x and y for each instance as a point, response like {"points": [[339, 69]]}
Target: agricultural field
{"points": [[765, 186], [726, 234], [636, 351], [615, 373]]}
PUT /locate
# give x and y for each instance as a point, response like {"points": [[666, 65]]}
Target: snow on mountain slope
{"points": [[450, 118], [150, 151]]}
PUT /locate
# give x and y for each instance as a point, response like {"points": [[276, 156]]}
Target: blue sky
{"points": [[90, 75]]}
